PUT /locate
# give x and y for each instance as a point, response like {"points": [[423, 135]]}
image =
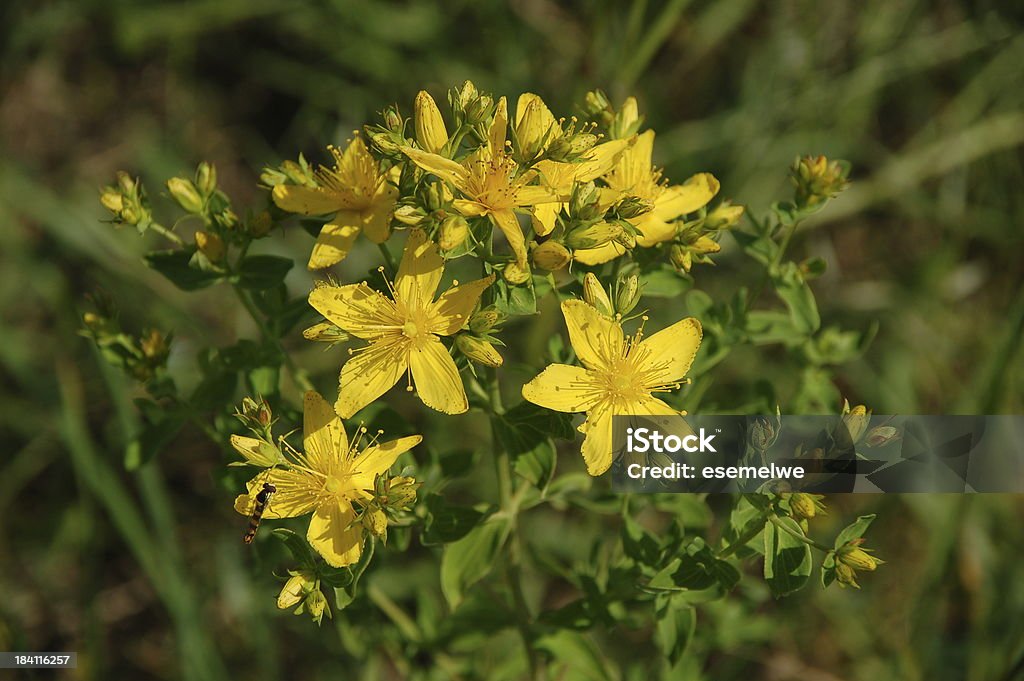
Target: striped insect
{"points": [[260, 505]]}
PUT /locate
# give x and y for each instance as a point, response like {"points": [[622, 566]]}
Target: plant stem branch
{"points": [[166, 233], [299, 375], [802, 537]]}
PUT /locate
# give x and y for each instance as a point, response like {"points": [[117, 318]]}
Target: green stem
{"points": [[509, 506], [166, 233], [300, 377], [799, 535], [389, 259], [776, 261], [743, 539]]}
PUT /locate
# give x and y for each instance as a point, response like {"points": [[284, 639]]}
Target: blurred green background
{"points": [[143, 573]]}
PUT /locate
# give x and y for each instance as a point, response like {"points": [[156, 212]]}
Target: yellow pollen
{"points": [[409, 330]]}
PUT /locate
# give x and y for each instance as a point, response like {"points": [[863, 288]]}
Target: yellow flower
{"points": [[618, 375], [326, 479], [633, 175], [490, 181], [356, 191], [403, 331]]}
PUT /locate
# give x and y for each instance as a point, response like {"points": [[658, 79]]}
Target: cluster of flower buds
{"points": [[478, 341], [817, 180], [127, 203], [290, 172], [200, 197], [392, 496], [804, 506], [765, 431], [620, 124], [260, 451], [303, 590], [851, 558], [625, 294], [142, 357]]}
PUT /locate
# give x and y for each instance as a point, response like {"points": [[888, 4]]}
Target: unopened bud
{"points": [[206, 178], [551, 256], [724, 216], [401, 492], [296, 589], [627, 294], [376, 522], [478, 350], [817, 180], [325, 332], [584, 202], [410, 215], [154, 346], [393, 120], [484, 320], [880, 436], [856, 421], [453, 233], [853, 555], [186, 194], [257, 452], [805, 506], [516, 274], [594, 235], [210, 245], [112, 200], [633, 207], [595, 295], [430, 131]]}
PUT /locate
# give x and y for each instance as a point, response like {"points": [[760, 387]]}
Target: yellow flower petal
{"points": [[377, 459], [307, 200], [470, 209], [295, 495], [335, 241], [368, 374], [597, 446], [601, 159], [420, 271], [437, 378], [653, 230], [356, 308], [451, 311], [533, 195], [323, 435], [543, 216], [652, 406], [376, 222], [599, 255], [667, 355], [563, 388], [596, 339], [446, 169], [509, 226], [335, 534], [688, 197], [430, 131]]}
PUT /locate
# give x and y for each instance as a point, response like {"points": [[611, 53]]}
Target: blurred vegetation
{"points": [[143, 573]]}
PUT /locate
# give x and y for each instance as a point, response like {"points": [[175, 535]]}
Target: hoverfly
{"points": [[260, 505]]}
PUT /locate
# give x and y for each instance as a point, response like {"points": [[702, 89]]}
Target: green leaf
{"points": [[448, 523], [468, 560], [638, 543], [665, 283], [176, 266], [676, 622], [152, 438], [761, 248], [264, 380], [787, 560], [577, 657], [854, 530], [296, 544], [798, 298], [262, 272], [345, 595], [537, 466], [526, 431], [515, 300]]}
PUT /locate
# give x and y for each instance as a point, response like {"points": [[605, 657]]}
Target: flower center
{"points": [[334, 485], [410, 330]]}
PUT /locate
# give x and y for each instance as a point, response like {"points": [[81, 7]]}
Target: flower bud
{"points": [[880, 436], [804, 506], [316, 605], [375, 521], [684, 255], [154, 347], [410, 215], [210, 245], [484, 320], [431, 134], [584, 202], [112, 200], [570, 148], [401, 492], [516, 274], [296, 589], [633, 207], [186, 194], [325, 332], [846, 576], [764, 432], [393, 121], [551, 256], [856, 421], [453, 233], [257, 452], [594, 235], [260, 225], [858, 558], [596, 103], [206, 179], [817, 180], [723, 216], [478, 350], [595, 295], [627, 293]]}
